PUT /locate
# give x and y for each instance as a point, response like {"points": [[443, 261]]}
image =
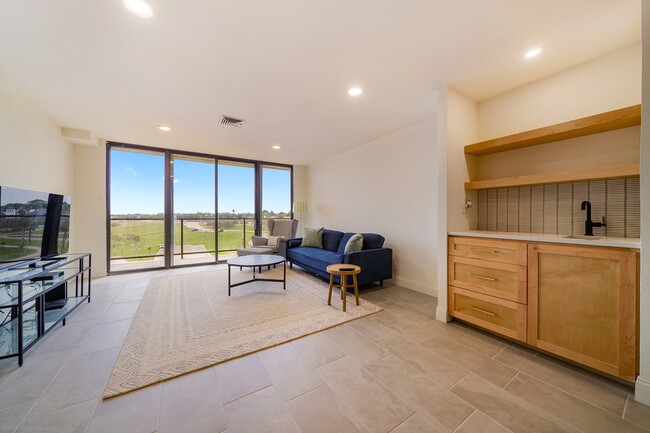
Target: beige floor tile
{"points": [[401, 309], [378, 408], [137, 283], [104, 336], [192, 397], [438, 368], [355, 345], [129, 295], [82, 378], [92, 310], [317, 349], [372, 329], [321, 411], [261, 412], [63, 337], [425, 309], [414, 329], [637, 413], [120, 311], [135, 412], [291, 374], [442, 408], [487, 345], [73, 419], [568, 408], [27, 383], [606, 397], [415, 424], [240, 377], [477, 363], [481, 423], [507, 409], [102, 294], [11, 416], [374, 297]]}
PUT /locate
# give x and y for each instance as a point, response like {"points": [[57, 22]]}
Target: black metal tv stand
{"points": [[37, 295]]}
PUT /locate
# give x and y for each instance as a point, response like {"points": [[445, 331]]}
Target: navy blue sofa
{"points": [[376, 262]]}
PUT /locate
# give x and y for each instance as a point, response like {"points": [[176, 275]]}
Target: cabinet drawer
{"points": [[502, 280], [498, 315], [495, 250]]}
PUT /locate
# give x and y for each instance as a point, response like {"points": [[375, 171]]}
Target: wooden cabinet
{"points": [[487, 284], [582, 305], [577, 302]]}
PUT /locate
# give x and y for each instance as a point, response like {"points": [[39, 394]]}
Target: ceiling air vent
{"points": [[227, 120]]}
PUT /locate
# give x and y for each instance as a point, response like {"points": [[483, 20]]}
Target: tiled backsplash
{"points": [[556, 208]]}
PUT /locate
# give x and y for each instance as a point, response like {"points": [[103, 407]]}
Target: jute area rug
{"points": [[188, 322]]}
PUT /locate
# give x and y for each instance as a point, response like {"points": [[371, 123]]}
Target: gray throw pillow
{"points": [[313, 238], [355, 243]]}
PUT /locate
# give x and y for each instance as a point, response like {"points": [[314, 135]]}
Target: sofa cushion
{"points": [[355, 243], [314, 257], [370, 241], [313, 238], [332, 239]]}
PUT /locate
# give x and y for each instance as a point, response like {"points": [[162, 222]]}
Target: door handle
{"points": [[480, 310], [483, 277], [484, 250]]}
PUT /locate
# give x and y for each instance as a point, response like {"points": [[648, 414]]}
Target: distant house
{"points": [[10, 211]]}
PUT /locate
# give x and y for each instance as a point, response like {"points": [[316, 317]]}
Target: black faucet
{"points": [[589, 224]]}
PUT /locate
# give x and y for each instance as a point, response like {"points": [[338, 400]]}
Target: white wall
{"points": [[603, 84], [90, 210], [642, 393], [33, 155], [456, 128], [385, 186]]}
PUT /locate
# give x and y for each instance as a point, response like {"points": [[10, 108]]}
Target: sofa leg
{"points": [[381, 283], [290, 265]]}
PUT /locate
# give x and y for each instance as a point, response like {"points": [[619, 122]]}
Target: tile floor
{"points": [[396, 371]]}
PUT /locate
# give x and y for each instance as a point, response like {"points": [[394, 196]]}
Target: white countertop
{"points": [[546, 237]]}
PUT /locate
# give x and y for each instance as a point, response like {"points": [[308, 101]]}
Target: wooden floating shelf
{"points": [[617, 119], [589, 174]]}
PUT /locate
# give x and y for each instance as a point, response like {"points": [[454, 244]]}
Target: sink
{"points": [[583, 237]]}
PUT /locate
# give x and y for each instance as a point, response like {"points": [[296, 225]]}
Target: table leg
{"points": [[229, 279], [344, 282], [329, 297], [356, 288], [285, 276]]}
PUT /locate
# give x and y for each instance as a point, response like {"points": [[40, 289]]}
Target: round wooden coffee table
{"points": [[257, 261], [343, 271]]}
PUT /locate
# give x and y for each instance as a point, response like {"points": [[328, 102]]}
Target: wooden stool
{"points": [[336, 270]]}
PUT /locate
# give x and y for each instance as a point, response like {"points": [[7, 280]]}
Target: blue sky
{"points": [[137, 186]]}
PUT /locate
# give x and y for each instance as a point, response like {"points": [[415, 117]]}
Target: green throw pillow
{"points": [[355, 243], [313, 238]]}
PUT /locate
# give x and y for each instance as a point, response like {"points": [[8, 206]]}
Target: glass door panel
{"points": [[236, 208], [137, 206], [194, 210], [276, 194]]}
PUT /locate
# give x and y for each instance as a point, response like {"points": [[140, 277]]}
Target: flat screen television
{"points": [[33, 224]]}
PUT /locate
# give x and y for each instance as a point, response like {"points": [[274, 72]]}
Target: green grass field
{"points": [[143, 238]]}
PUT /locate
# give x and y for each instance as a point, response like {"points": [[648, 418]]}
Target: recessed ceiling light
{"points": [[532, 53], [276, 147], [139, 7], [164, 128], [355, 91]]}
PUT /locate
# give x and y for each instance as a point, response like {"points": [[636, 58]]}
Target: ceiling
{"points": [[285, 65]]}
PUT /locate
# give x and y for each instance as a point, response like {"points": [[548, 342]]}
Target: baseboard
{"points": [[441, 314], [642, 391], [416, 285]]}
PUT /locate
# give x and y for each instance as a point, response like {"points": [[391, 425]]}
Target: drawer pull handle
{"points": [[489, 313], [484, 250], [483, 277]]}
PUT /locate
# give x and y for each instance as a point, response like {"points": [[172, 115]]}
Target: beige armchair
{"points": [[279, 228]]}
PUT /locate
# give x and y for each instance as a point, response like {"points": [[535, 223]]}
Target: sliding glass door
{"points": [[236, 206], [168, 208], [194, 210], [276, 194], [137, 206]]}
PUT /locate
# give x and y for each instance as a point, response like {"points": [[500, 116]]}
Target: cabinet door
{"points": [[582, 305]]}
